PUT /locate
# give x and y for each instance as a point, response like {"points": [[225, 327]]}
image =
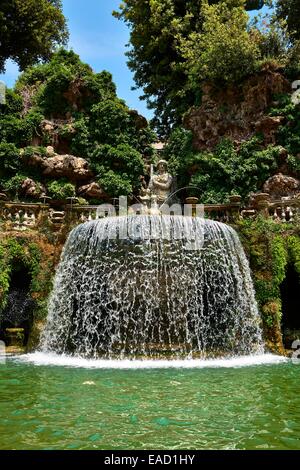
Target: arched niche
{"points": [[19, 308], [290, 296]]}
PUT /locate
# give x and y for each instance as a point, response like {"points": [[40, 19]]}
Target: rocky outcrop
{"points": [[58, 132], [237, 112], [75, 93], [268, 127], [92, 190], [280, 185], [58, 166], [31, 189]]}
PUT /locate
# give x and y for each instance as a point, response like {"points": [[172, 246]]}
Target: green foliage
{"points": [[30, 151], [224, 50], [81, 142], [30, 30], [271, 247], [279, 260], [154, 57], [118, 169], [9, 159], [93, 123], [273, 41], [13, 184], [272, 314], [19, 131], [61, 189], [255, 4], [294, 250], [292, 69], [224, 172], [14, 127], [266, 243], [13, 168], [21, 252], [112, 123], [14, 252], [4, 278], [179, 151], [289, 11], [110, 119], [13, 103], [289, 133], [160, 35]]}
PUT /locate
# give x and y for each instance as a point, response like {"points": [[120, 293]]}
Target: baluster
{"points": [[26, 221], [33, 220], [16, 221], [291, 215]]}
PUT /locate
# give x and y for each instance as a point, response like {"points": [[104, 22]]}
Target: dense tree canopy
{"points": [[289, 10], [177, 44], [223, 51], [30, 30], [158, 30]]}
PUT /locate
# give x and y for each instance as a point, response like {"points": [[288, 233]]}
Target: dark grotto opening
{"points": [[18, 312], [290, 295]]}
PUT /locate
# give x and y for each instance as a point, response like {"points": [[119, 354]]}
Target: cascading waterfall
{"points": [[152, 286]]}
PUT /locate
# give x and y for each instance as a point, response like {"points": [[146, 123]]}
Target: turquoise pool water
{"points": [[44, 406]]}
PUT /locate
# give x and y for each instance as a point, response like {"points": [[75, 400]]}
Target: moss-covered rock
{"points": [[271, 247]]}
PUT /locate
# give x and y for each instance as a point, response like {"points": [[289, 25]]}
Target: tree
{"points": [[289, 10], [30, 30], [224, 51], [156, 60]]}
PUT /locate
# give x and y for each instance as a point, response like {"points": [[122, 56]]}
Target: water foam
{"points": [[43, 359]]}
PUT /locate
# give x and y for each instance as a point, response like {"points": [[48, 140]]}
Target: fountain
{"points": [[149, 286]]}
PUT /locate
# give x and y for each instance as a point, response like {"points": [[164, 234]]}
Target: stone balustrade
{"points": [[22, 216], [285, 210], [281, 210], [220, 212], [81, 214]]}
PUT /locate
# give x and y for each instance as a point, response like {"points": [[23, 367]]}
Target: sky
{"points": [[100, 40]]}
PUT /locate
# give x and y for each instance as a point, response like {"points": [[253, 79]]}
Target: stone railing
{"points": [[221, 212], [281, 210], [284, 210], [22, 216], [81, 214]]}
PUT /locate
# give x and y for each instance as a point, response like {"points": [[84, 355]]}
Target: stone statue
{"points": [[161, 184]]}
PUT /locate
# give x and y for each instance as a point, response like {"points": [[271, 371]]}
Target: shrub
{"points": [[224, 171], [61, 189], [224, 51], [118, 168], [9, 159]]}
